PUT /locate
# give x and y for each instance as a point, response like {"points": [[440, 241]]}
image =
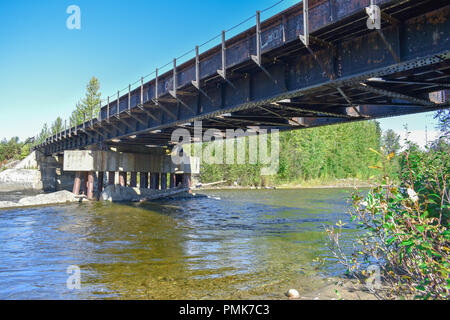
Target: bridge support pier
{"points": [[90, 185], [154, 180], [172, 182], [123, 179], [85, 183], [163, 181], [187, 180], [143, 180], [157, 166], [101, 177], [111, 177], [178, 180], [157, 178], [77, 183], [133, 179]]}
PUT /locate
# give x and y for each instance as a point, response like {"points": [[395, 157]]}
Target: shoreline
{"points": [[339, 288], [114, 193], [343, 183]]}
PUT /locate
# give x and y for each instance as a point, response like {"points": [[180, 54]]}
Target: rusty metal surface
{"points": [[290, 22], [239, 51], [347, 53]]}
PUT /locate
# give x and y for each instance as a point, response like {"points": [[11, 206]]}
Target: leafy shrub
{"points": [[406, 230]]}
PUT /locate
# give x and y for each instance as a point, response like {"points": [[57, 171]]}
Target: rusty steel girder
{"points": [[268, 77]]}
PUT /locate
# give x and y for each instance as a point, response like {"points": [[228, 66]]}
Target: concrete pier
{"points": [[85, 182], [123, 179], [90, 185], [111, 177], [187, 180], [157, 178], [143, 180], [153, 169], [101, 178], [153, 181], [172, 181], [77, 184], [163, 181], [133, 179], [178, 180]]}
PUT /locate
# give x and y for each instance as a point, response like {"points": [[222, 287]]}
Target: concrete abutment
{"points": [[154, 171]]}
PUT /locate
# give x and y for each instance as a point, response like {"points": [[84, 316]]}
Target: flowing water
{"points": [[238, 244]]}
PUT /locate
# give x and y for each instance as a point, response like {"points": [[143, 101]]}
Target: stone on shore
{"points": [[293, 294], [8, 204], [59, 197]]}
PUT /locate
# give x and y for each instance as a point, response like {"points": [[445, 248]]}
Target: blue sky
{"points": [[45, 66]]}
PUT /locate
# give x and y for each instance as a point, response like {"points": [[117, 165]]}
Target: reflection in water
{"points": [[253, 244]]}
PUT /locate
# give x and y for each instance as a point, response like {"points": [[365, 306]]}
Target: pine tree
{"points": [[89, 106], [57, 126], [390, 141]]}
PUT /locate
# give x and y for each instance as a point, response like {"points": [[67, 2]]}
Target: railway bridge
{"points": [[320, 62]]}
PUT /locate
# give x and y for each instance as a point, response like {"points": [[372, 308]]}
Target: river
{"points": [[235, 244]]}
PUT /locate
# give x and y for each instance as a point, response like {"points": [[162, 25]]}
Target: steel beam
{"points": [[361, 57]]}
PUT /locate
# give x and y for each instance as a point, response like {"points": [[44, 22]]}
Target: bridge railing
{"points": [[260, 38]]}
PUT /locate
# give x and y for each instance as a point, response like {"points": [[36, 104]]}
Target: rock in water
{"points": [[293, 294], [59, 197]]}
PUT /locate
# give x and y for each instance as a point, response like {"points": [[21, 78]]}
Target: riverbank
{"points": [[339, 289], [112, 193], [311, 184]]}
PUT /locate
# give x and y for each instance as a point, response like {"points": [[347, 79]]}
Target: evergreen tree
{"points": [[44, 134], [57, 126], [390, 141], [89, 106]]}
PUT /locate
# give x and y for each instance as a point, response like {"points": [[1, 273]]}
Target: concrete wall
{"points": [[34, 172], [87, 160]]}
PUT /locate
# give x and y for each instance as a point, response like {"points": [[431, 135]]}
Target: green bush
{"points": [[406, 229], [427, 172]]}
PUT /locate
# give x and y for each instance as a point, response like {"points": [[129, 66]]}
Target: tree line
{"points": [[317, 154], [13, 149]]}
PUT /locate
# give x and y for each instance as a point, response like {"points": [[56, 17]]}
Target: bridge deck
{"points": [[347, 73]]}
